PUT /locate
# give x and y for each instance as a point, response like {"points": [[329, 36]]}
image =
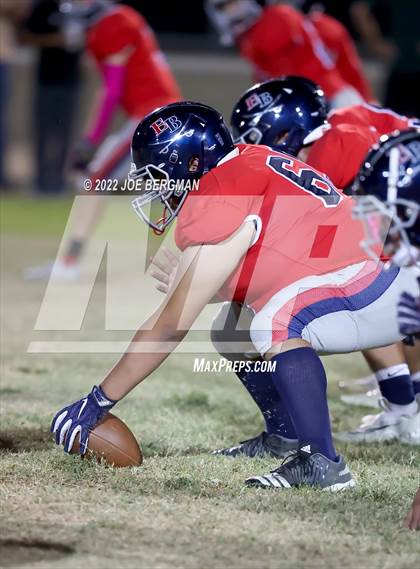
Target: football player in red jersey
{"points": [[342, 149], [384, 121], [290, 114], [264, 229], [280, 40], [135, 79]]}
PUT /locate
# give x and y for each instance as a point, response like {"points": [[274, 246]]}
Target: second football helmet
{"points": [[387, 196], [286, 114]]}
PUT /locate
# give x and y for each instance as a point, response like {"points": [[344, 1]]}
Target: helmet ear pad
{"points": [[185, 160]]}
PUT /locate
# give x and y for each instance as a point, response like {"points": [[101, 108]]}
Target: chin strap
{"points": [[160, 220]]}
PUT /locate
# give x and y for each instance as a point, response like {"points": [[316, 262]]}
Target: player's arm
{"points": [[113, 70], [164, 270], [202, 271]]}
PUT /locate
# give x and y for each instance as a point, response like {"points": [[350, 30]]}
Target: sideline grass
{"points": [[34, 217]]}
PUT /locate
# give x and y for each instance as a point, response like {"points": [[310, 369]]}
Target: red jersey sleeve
{"points": [[219, 207], [340, 153], [112, 33], [384, 121], [208, 217]]}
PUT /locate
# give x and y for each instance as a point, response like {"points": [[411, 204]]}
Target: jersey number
{"points": [[306, 179]]}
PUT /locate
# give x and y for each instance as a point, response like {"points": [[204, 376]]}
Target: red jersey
{"points": [[341, 47], [305, 225], [148, 82], [284, 42], [340, 152], [384, 121]]}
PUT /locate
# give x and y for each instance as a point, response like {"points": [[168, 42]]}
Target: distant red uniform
{"points": [[341, 48], [341, 150], [384, 121], [303, 231], [149, 82], [284, 42]]}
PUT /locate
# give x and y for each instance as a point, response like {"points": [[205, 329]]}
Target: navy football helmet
{"points": [[172, 147], [387, 196], [231, 18], [286, 114]]}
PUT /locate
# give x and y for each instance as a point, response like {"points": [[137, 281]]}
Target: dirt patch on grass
{"points": [[24, 439], [6, 444], [19, 552]]}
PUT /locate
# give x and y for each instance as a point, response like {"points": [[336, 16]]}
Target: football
{"points": [[112, 441]]}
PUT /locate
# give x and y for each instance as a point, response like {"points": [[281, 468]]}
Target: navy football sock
{"points": [[300, 378], [396, 385], [263, 391]]}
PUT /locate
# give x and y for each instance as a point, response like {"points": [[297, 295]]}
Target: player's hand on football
{"points": [[80, 418], [412, 521], [164, 270], [409, 315], [82, 154]]}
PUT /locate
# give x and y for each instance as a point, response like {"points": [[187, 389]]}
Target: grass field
{"points": [[182, 508]]}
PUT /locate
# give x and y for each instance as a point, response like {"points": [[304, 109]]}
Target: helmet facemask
{"points": [[157, 189], [387, 223], [232, 18]]}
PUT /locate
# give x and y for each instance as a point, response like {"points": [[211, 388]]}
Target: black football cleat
{"points": [[264, 445], [307, 469]]}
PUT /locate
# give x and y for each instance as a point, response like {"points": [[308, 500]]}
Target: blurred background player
{"points": [[342, 51], [390, 31], [333, 24], [137, 79], [11, 15], [280, 40], [59, 43]]}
